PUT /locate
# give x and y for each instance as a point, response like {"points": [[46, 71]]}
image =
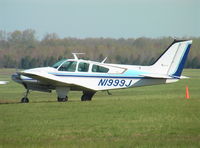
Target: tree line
{"points": [[22, 49]]}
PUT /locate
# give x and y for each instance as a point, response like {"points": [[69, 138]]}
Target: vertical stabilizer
{"points": [[172, 61]]}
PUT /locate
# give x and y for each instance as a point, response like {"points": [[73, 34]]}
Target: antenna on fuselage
{"points": [[75, 55], [104, 60]]}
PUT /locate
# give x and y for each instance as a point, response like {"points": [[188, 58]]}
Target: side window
{"points": [[100, 69], [68, 66], [83, 67]]}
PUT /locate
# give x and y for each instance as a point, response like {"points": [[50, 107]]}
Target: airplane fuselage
{"points": [[126, 78]]}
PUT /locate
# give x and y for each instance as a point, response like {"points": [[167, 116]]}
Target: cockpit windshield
{"points": [[56, 65], [68, 66]]}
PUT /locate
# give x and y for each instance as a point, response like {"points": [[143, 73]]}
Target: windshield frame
{"points": [[59, 63]]}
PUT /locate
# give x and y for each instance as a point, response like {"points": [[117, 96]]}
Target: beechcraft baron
{"points": [[90, 77]]}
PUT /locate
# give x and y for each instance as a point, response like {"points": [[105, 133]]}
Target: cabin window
{"points": [[68, 66], [83, 67], [100, 69]]}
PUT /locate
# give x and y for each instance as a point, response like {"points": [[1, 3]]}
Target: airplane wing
{"points": [[158, 76], [50, 79]]}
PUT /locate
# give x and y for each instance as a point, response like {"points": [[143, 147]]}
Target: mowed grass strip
{"points": [[153, 116]]}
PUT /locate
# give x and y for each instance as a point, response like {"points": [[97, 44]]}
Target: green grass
{"points": [[153, 116]]}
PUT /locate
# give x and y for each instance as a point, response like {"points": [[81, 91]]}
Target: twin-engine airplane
{"points": [[90, 77]]}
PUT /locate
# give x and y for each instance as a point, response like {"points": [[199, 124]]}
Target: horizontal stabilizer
{"points": [[184, 77], [158, 76]]}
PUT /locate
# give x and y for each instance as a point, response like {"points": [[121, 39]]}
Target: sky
{"points": [[103, 18]]}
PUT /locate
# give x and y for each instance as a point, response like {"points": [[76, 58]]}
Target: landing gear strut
{"points": [[62, 93], [25, 98], [87, 95]]}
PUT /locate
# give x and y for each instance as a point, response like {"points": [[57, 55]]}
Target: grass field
{"points": [[153, 116]]}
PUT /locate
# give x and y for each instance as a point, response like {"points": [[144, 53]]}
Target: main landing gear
{"points": [[87, 95], [62, 93], [25, 98]]}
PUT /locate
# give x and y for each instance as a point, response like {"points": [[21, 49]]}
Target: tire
{"points": [[89, 98], [84, 98], [62, 99], [24, 100], [65, 99]]}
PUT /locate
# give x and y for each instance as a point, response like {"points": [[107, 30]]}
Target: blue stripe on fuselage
{"points": [[89, 76], [129, 74]]}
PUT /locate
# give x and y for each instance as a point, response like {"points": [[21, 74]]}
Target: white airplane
{"points": [[90, 77]]}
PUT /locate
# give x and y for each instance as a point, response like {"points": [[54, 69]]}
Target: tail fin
{"points": [[172, 61]]}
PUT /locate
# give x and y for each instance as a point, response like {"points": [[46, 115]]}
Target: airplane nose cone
{"points": [[16, 78]]}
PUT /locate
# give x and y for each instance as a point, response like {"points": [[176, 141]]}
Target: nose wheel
{"points": [[25, 98]]}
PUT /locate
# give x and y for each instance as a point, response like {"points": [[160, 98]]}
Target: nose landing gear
{"points": [[25, 98]]}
